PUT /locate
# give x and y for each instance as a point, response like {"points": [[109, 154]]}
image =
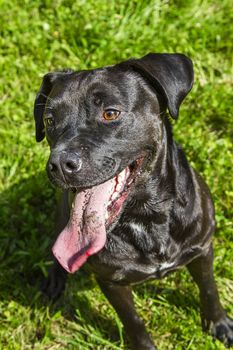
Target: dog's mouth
{"points": [[93, 211]]}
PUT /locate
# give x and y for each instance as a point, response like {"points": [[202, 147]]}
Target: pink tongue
{"points": [[85, 233]]}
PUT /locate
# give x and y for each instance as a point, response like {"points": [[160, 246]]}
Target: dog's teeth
{"points": [[121, 180], [72, 205], [127, 173], [130, 181], [114, 195], [121, 176], [118, 188]]}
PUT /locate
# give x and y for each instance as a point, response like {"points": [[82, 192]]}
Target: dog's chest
{"points": [[137, 254], [152, 257]]}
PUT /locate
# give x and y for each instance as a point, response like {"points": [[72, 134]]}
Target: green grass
{"points": [[40, 36]]}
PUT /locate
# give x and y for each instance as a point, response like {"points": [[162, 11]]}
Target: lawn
{"points": [[41, 36]]}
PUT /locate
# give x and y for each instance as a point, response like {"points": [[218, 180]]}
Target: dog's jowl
{"points": [[132, 206]]}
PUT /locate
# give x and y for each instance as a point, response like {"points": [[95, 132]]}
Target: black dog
{"points": [[139, 210]]}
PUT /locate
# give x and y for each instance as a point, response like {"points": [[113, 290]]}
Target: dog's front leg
{"points": [[212, 313], [121, 299], [54, 285]]}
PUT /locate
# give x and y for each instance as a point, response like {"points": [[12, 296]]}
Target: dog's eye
{"points": [[111, 114], [49, 122]]}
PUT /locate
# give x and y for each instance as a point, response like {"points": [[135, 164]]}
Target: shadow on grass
{"points": [[26, 236]]}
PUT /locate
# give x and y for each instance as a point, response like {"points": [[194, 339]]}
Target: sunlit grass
{"points": [[40, 36]]}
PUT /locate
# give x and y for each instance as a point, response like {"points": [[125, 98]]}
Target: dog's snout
{"points": [[66, 163], [54, 163], [70, 163]]}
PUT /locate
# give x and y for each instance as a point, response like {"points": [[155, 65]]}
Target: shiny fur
{"points": [[168, 219]]}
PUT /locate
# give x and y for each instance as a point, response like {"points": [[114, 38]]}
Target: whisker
{"points": [[44, 105], [49, 98]]}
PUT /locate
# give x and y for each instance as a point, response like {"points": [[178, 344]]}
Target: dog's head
{"points": [[101, 126]]}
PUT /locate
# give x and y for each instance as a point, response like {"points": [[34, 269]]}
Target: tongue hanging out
{"points": [[85, 233]]}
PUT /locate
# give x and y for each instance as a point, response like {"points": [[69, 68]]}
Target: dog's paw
{"points": [[144, 343], [223, 330], [143, 347], [54, 285]]}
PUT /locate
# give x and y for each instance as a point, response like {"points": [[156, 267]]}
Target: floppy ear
{"points": [[170, 74], [41, 98]]}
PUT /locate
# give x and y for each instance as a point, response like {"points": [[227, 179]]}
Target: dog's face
{"points": [[103, 125], [91, 119]]}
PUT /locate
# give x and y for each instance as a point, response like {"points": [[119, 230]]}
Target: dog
{"points": [[132, 207]]}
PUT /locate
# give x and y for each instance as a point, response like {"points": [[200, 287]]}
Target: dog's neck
{"points": [[156, 194], [160, 184]]}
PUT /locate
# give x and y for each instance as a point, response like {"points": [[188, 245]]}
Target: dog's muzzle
{"points": [[64, 164]]}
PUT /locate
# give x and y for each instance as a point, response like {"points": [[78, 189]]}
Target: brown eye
{"points": [[111, 114], [49, 122]]}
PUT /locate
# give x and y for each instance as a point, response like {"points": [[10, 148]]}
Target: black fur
{"points": [[168, 218]]}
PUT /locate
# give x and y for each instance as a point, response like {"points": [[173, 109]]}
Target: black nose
{"points": [[68, 163]]}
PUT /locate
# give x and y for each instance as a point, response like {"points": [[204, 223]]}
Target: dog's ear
{"points": [[41, 98], [170, 74]]}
